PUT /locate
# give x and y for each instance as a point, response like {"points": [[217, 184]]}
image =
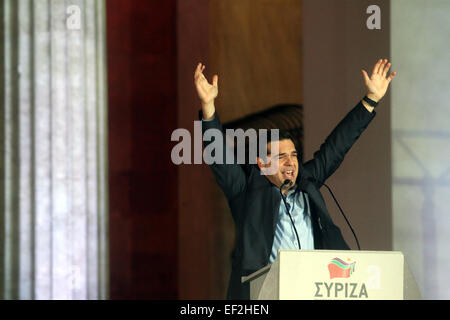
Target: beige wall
{"points": [[336, 45]]}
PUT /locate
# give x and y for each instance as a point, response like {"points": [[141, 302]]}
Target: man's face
{"points": [[287, 162]]}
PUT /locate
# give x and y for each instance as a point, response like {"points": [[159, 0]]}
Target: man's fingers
{"points": [[376, 66], [199, 77], [381, 66], [391, 76], [197, 71], [386, 69]]}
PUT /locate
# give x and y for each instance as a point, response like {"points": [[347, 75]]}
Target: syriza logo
{"points": [[341, 269], [338, 268]]}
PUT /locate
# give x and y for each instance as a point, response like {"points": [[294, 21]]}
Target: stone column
{"points": [[53, 147]]}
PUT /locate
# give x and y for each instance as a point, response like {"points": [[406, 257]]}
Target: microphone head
{"points": [[286, 182]]}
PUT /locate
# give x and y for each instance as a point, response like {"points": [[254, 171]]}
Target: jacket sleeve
{"points": [[331, 153], [230, 177]]}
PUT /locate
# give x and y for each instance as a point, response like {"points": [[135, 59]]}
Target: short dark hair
{"points": [[283, 134]]}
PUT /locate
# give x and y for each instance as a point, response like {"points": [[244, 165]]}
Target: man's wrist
{"points": [[367, 106], [373, 97], [208, 111]]}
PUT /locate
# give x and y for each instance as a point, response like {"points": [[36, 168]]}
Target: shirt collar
{"points": [[291, 191]]}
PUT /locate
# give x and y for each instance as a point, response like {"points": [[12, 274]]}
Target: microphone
{"points": [[285, 182]]}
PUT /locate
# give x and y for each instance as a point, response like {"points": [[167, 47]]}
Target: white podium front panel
{"points": [[325, 274]]}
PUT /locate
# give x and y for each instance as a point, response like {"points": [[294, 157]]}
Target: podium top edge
{"points": [[343, 251]]}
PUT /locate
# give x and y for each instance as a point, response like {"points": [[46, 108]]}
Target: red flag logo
{"points": [[340, 269]]}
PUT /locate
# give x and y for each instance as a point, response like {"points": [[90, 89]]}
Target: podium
{"points": [[331, 274]]}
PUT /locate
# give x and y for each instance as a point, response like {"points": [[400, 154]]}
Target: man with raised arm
{"points": [[264, 223]]}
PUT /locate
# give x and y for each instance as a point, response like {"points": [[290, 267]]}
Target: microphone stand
{"points": [[287, 209], [342, 212]]}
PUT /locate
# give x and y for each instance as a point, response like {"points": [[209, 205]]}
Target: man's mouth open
{"points": [[289, 174]]}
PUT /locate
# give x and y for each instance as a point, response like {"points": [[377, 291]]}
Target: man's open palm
{"points": [[377, 84], [206, 92]]}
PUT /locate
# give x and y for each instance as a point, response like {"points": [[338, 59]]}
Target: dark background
{"points": [[141, 37]]}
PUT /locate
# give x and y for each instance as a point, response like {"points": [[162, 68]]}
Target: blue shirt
{"points": [[285, 237]]}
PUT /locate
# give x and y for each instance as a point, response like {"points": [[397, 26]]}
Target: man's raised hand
{"points": [[206, 92], [377, 84]]}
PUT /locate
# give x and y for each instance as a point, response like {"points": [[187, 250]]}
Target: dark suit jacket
{"points": [[254, 203]]}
